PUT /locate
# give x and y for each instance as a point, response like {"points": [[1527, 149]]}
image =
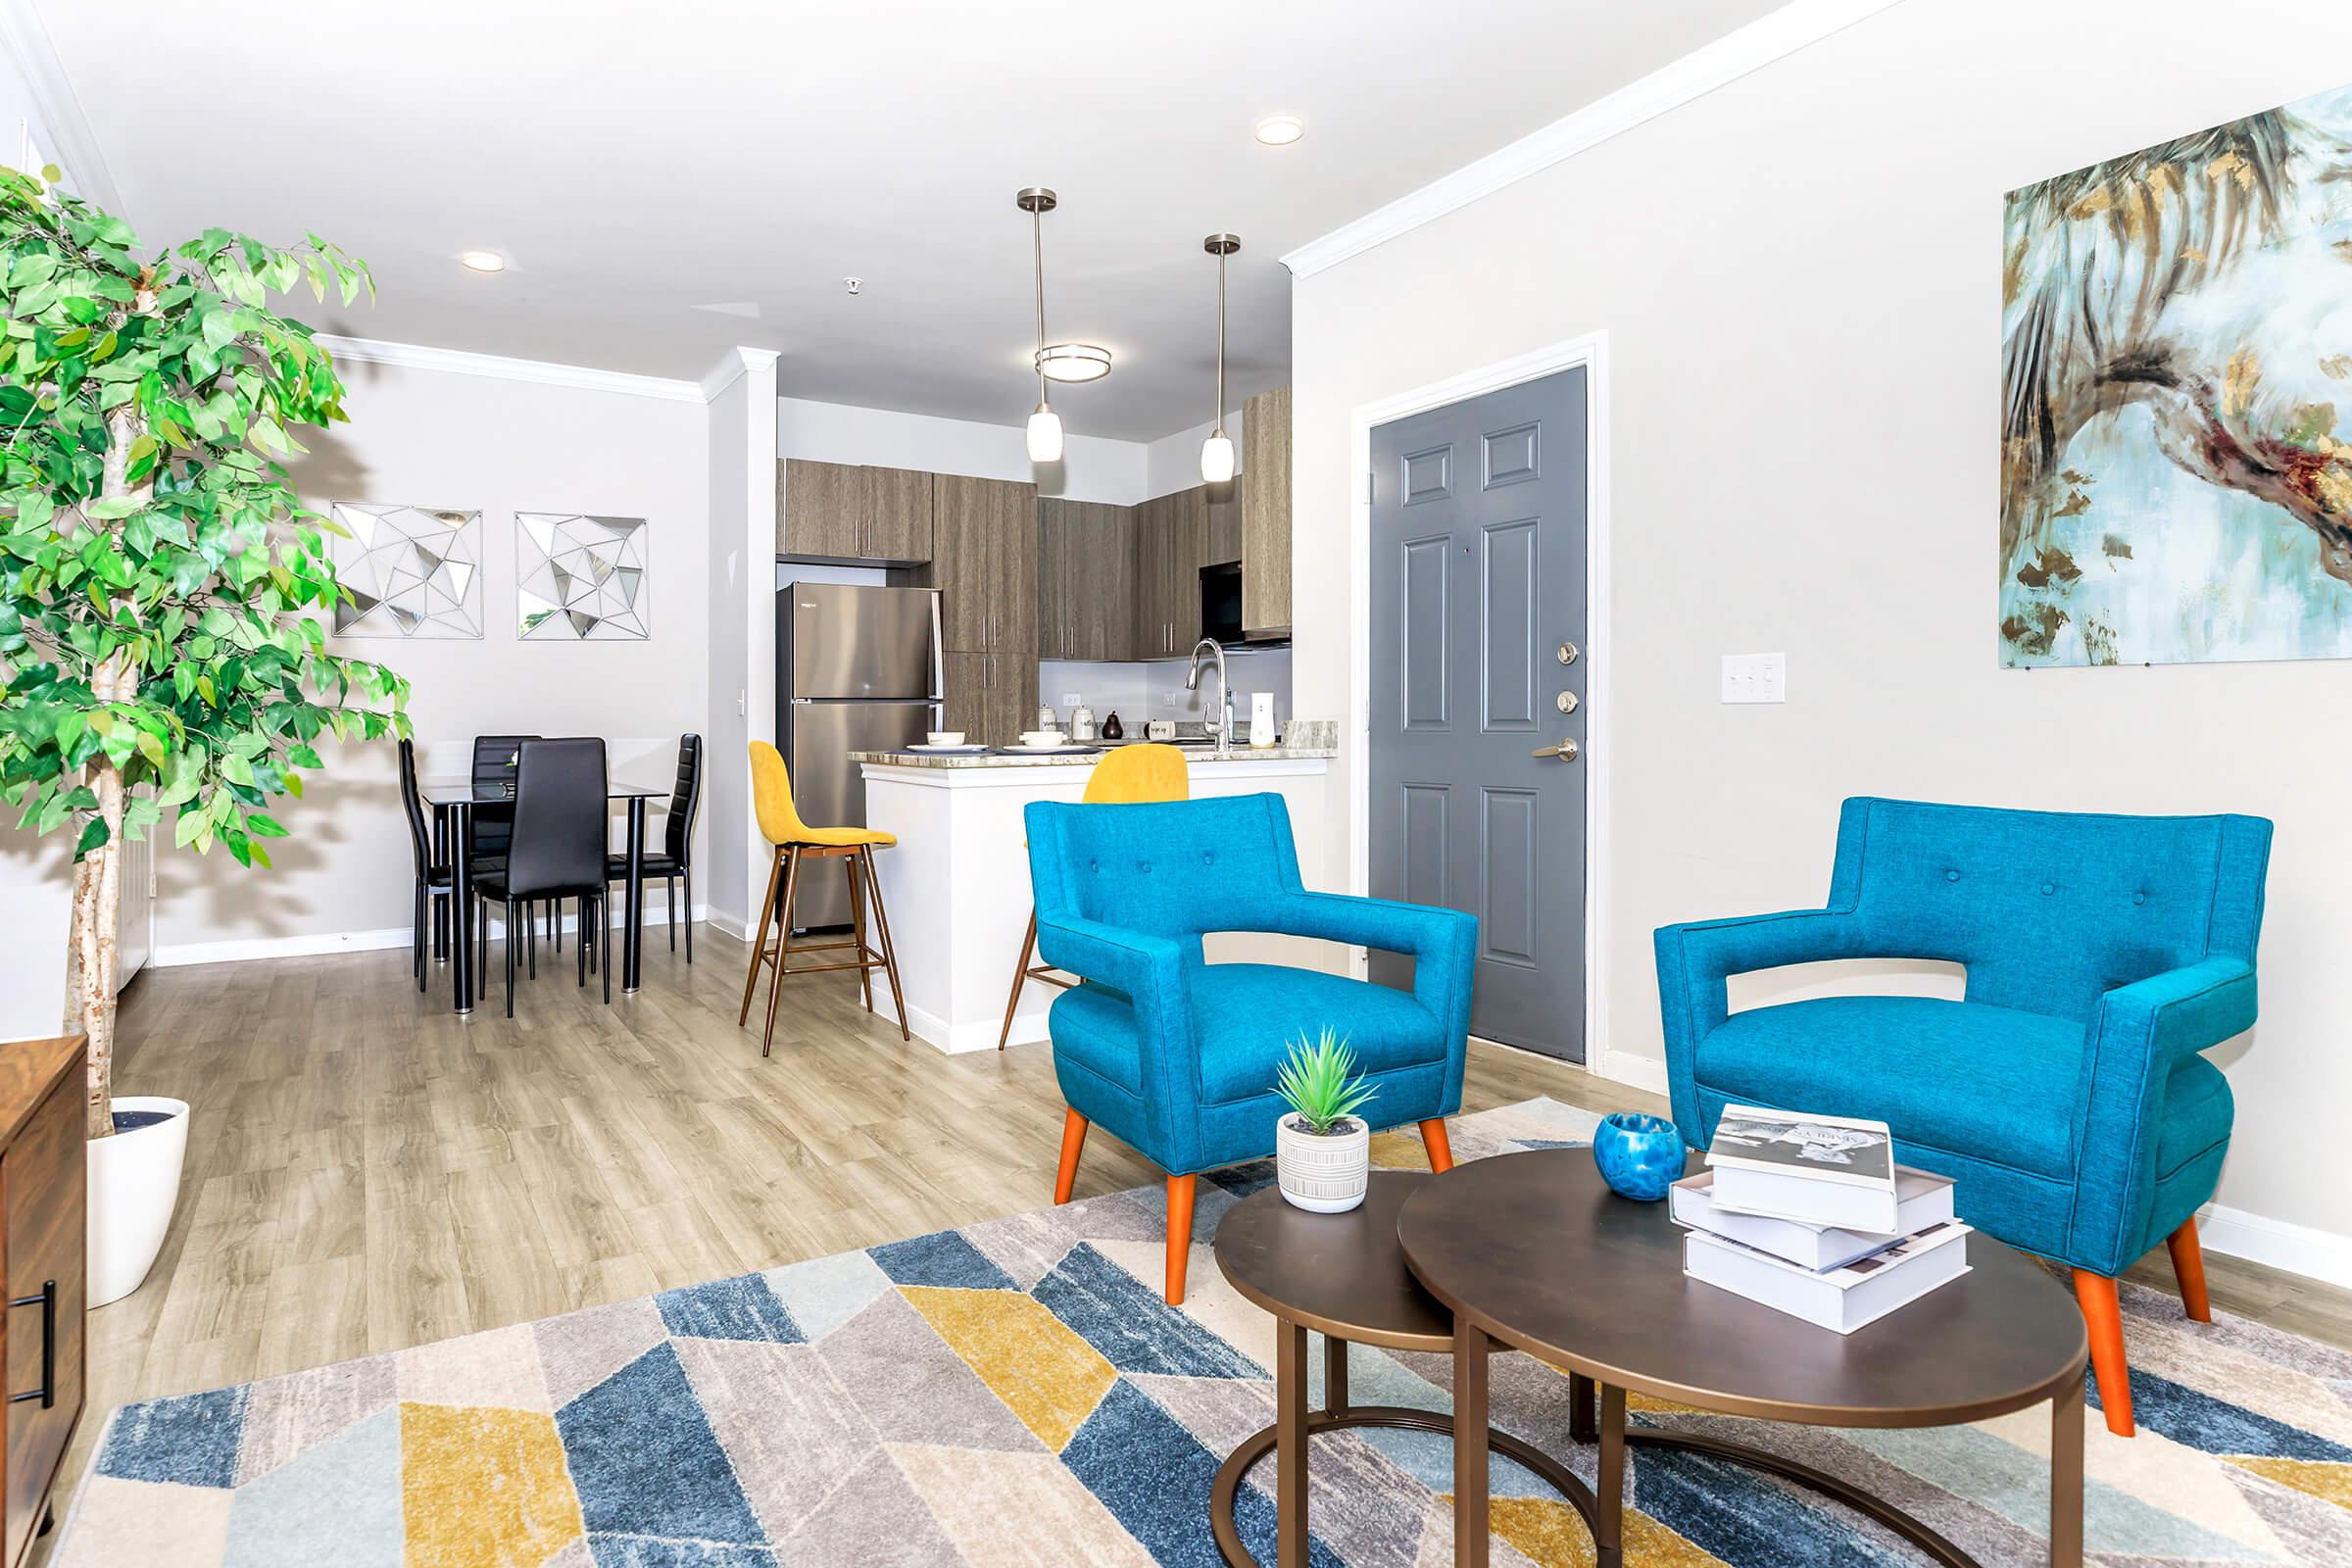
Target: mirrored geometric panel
{"points": [[413, 572], [579, 578]]}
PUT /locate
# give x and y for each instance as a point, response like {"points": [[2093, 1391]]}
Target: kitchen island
{"points": [[957, 884]]}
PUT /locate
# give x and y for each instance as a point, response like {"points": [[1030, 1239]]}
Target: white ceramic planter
{"points": [[134, 1181], [1324, 1175]]}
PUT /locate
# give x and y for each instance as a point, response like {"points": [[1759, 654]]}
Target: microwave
{"points": [[1221, 602]]}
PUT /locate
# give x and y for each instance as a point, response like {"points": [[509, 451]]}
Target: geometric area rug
{"points": [[1016, 1393]]}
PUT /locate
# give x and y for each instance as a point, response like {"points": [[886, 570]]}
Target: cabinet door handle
{"points": [[46, 1299]]}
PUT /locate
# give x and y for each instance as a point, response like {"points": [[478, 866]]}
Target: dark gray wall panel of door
{"points": [[1477, 583]]}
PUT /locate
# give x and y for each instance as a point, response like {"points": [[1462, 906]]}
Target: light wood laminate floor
{"points": [[365, 1171]]}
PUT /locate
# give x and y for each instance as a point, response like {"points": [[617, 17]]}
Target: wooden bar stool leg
{"points": [[1020, 977], [865, 973], [890, 950], [775, 975], [768, 906]]}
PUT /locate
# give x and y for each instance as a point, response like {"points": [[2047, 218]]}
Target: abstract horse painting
{"points": [[2177, 400]]}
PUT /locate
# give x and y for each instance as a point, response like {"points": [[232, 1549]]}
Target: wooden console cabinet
{"points": [[43, 1170]]}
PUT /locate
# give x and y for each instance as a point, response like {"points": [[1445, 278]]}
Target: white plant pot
{"points": [[1324, 1175], [134, 1181]]}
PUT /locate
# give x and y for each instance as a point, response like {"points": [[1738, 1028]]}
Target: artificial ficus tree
{"points": [[155, 562]]}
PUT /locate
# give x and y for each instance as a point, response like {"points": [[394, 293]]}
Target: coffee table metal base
{"points": [[1291, 1497]]}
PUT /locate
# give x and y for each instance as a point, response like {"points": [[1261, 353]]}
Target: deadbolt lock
{"points": [[1565, 751], [1567, 702], [1567, 652]]}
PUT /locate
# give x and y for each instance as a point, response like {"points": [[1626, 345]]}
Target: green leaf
{"points": [[93, 834], [263, 827]]}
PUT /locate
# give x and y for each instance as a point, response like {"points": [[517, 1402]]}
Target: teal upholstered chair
{"points": [[2065, 1094], [1176, 1056]]}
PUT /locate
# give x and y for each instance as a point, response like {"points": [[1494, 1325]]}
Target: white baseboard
{"points": [[244, 949], [1645, 1073], [2298, 1249]]}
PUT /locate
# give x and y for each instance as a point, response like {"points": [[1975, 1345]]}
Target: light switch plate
{"points": [[1755, 677]]}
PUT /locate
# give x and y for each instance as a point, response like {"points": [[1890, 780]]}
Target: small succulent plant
{"points": [[1320, 1083]]}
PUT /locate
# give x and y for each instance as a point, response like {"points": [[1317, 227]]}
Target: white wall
{"points": [[1800, 281], [1091, 468], [439, 438]]}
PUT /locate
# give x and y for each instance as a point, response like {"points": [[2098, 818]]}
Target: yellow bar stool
{"points": [[1132, 776], [796, 841]]}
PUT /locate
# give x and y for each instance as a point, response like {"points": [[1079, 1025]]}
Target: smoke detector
{"points": [[853, 283]]}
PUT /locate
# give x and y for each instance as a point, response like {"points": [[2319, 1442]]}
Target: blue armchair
{"points": [[2065, 1094], [1176, 1056]]}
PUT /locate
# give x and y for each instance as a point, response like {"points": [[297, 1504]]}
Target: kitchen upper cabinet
{"points": [[1171, 547], [1265, 504], [1224, 523], [1085, 580], [899, 502], [984, 561], [846, 511], [819, 508], [991, 697]]}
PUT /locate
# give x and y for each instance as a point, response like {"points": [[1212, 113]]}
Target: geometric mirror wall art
{"points": [[413, 572], [2177, 399], [580, 578]]}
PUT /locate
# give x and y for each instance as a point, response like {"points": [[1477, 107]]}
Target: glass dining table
{"points": [[454, 798]]}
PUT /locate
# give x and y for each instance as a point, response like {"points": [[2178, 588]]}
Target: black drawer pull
{"points": [[48, 1302]]}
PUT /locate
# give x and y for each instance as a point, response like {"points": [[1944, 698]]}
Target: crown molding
{"points": [[26, 43], [1768, 39], [459, 362], [732, 367]]}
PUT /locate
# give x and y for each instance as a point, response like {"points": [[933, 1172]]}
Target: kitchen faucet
{"points": [[1220, 721]]}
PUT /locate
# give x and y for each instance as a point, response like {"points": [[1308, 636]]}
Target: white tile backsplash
{"points": [[1155, 689]]}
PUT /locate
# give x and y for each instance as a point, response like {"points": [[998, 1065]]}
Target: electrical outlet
{"points": [[1072, 699], [1755, 677]]}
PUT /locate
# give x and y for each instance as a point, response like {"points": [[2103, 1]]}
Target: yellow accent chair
{"points": [[796, 841]]}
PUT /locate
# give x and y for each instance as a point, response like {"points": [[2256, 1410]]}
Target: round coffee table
{"points": [[1344, 1276], [1532, 1252]]}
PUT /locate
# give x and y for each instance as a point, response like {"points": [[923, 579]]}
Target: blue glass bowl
{"points": [[1639, 1156]]}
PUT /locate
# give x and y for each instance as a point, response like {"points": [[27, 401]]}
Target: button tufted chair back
{"points": [[2048, 909], [1177, 869]]}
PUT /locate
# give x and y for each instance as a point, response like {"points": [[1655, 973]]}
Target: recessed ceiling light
{"points": [[483, 261], [1073, 362], [1280, 130]]}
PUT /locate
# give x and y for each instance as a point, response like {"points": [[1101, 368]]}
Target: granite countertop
{"points": [[1192, 754]]}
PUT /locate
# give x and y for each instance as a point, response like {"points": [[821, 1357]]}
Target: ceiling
{"points": [[641, 164]]}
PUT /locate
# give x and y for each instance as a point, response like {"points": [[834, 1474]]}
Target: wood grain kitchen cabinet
{"points": [[819, 508], [898, 503], [1265, 500], [991, 697], [1224, 532], [1171, 539], [984, 561], [847, 511], [42, 1175], [1085, 580]]}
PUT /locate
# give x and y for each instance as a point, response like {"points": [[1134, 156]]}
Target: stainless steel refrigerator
{"points": [[857, 669]]}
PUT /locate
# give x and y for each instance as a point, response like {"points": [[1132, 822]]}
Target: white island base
{"points": [[956, 887]]}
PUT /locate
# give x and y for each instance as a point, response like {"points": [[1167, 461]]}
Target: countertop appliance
{"points": [[858, 668]]}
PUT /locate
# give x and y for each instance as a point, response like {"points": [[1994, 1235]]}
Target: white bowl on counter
{"points": [[944, 737], [1043, 738]]}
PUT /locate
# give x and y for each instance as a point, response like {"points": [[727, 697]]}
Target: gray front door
{"points": [[1478, 626]]}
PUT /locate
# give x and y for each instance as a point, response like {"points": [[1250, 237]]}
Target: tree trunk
{"points": [[94, 961]]}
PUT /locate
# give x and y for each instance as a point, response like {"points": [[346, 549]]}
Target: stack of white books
{"points": [[1811, 1216]]}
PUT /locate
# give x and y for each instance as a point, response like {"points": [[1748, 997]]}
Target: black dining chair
{"points": [[557, 847], [494, 761], [675, 861], [432, 871]]}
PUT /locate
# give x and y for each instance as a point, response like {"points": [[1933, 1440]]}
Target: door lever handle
{"points": [[1566, 751]]}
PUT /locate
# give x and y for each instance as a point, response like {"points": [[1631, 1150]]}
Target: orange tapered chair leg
{"points": [[1433, 1139], [2189, 1267], [1073, 1138], [2103, 1316], [1180, 1235]]}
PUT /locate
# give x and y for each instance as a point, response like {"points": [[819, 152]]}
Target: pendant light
{"points": [[1044, 425], [1216, 452]]}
